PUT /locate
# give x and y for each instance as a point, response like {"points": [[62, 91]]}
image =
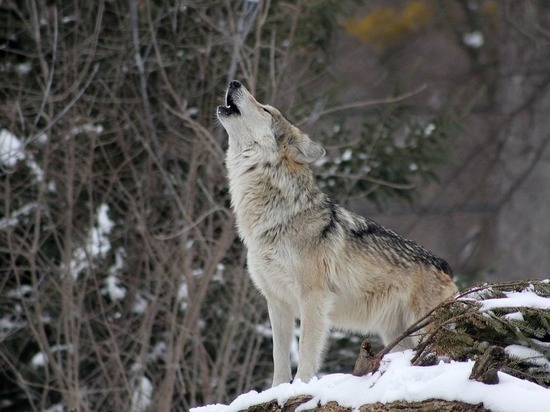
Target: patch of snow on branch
{"points": [[12, 150], [23, 68], [534, 356], [143, 393], [99, 241], [517, 300], [140, 304], [40, 359], [9, 326], [429, 129], [473, 40], [514, 316], [113, 288], [13, 219], [183, 295], [347, 155], [97, 244], [85, 128]]}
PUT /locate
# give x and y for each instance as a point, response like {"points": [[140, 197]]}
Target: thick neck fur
{"points": [[267, 194]]}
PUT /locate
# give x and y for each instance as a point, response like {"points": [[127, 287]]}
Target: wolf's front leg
{"points": [[282, 325], [314, 326]]}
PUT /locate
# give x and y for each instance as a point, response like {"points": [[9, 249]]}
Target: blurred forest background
{"points": [[123, 285]]}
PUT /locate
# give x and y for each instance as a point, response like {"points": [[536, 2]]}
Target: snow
{"points": [[429, 129], [113, 288], [218, 275], [183, 295], [97, 244], [58, 407], [99, 240], [140, 304], [473, 40], [118, 266], [158, 352], [85, 128], [23, 68], [398, 380], [9, 326], [141, 398], [11, 149], [13, 219], [42, 138], [514, 316], [517, 300], [20, 292], [68, 19], [522, 352], [347, 155], [39, 360]]}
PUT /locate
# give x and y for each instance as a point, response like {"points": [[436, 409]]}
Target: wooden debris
{"points": [[487, 365]]}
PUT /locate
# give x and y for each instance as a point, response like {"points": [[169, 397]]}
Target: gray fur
{"points": [[311, 258]]}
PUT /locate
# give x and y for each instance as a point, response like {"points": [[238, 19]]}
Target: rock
{"points": [[487, 365], [366, 361]]}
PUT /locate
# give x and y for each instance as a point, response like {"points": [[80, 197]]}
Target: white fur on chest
{"points": [[265, 199], [273, 274]]}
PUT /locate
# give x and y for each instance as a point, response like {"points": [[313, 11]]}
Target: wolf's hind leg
{"points": [[282, 325], [314, 326]]}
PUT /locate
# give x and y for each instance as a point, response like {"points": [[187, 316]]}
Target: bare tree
{"points": [[123, 285]]}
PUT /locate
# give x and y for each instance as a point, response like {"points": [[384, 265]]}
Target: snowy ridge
{"points": [[398, 380]]}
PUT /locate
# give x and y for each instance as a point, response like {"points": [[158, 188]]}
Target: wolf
{"points": [[312, 259]]}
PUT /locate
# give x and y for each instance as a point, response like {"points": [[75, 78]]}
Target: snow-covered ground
{"points": [[398, 380]]}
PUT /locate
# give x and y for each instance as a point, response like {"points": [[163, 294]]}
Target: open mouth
{"points": [[230, 107], [233, 93], [230, 103]]}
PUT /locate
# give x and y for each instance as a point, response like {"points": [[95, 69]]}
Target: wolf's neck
{"points": [[267, 195]]}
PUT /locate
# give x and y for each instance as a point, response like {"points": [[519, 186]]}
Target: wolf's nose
{"points": [[235, 84]]}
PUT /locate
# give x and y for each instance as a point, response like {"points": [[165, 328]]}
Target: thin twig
{"points": [[364, 103], [381, 182], [52, 68], [142, 76]]}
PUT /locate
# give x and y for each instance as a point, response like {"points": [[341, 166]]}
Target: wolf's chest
{"points": [[272, 272]]}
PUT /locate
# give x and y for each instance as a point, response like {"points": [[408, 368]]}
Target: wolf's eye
{"points": [[265, 110]]}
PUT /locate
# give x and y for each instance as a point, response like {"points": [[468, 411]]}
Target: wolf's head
{"points": [[262, 131]]}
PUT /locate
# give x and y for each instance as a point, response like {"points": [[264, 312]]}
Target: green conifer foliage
{"points": [[514, 316]]}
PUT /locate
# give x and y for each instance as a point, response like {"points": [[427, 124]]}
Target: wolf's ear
{"points": [[307, 151]]}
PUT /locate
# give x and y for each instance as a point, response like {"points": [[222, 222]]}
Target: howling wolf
{"points": [[311, 258]]}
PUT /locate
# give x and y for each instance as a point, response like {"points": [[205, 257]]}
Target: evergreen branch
{"points": [[456, 329]]}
